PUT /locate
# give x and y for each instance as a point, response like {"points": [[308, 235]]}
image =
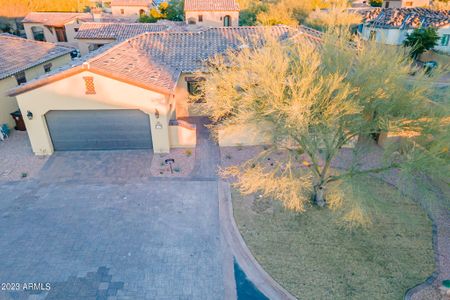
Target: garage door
{"points": [[99, 129]]}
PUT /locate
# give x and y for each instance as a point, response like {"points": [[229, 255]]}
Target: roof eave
{"points": [[78, 69]]}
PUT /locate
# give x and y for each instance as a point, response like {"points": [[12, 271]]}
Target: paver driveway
{"points": [[146, 240]]}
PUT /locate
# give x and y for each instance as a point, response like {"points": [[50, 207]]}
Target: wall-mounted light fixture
{"points": [[29, 115], [156, 113], [158, 125]]}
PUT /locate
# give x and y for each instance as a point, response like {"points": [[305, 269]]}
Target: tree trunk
{"points": [[319, 195]]}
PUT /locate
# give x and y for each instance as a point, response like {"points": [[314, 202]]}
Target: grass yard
{"points": [[314, 258]]}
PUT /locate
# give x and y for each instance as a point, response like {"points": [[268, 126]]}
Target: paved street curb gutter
{"points": [[255, 273]]}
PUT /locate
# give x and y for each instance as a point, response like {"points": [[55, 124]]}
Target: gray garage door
{"points": [[99, 129]]}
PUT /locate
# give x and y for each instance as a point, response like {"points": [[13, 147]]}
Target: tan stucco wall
{"points": [[129, 11], [9, 104], [213, 18], [403, 3], [182, 137], [84, 44], [69, 94], [250, 135], [49, 34]]}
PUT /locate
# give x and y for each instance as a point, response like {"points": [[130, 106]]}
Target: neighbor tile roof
{"points": [[155, 60], [115, 31], [210, 5], [55, 18], [18, 54], [131, 2], [406, 18]]}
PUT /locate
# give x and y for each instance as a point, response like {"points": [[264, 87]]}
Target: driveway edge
{"points": [[255, 273]]}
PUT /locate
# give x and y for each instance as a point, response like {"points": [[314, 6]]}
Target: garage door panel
{"points": [[99, 130]]}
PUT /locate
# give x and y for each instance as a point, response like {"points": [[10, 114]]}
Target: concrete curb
{"points": [[255, 273]]}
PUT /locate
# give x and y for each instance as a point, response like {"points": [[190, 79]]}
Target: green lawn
{"points": [[313, 258]]}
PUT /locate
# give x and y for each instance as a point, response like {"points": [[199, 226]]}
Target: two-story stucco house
{"points": [[405, 3], [22, 60], [130, 8], [391, 25], [133, 94], [54, 27], [212, 13]]}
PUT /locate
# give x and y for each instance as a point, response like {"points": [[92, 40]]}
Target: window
{"points": [[227, 21], [200, 18], [444, 40], [20, 77], [194, 88], [38, 33], [61, 34], [76, 29], [386, 5], [408, 4], [122, 11], [48, 67]]}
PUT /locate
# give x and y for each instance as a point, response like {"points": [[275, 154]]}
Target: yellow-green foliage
{"points": [[317, 100], [19, 8], [336, 15]]}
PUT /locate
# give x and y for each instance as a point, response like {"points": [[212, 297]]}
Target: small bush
{"points": [[188, 152], [177, 170], [228, 156]]}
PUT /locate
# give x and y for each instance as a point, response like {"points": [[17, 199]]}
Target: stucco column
{"points": [[160, 133]]}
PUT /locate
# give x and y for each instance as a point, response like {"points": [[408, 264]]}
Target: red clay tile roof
{"points": [[155, 60], [115, 31], [18, 54], [406, 18], [210, 5], [55, 19], [131, 2]]}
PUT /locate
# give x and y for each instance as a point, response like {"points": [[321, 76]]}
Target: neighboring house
{"points": [[22, 60], [405, 3], [215, 13], [92, 35], [54, 27], [391, 25], [130, 8], [132, 95]]}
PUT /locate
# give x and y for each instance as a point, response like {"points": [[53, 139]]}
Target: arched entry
{"points": [[227, 21], [141, 12]]}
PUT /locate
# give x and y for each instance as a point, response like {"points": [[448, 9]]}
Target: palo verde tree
{"points": [[314, 100]]}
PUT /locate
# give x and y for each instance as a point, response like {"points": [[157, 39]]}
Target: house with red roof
{"points": [[212, 13], [54, 27], [130, 8], [21, 61], [391, 25], [133, 94]]}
